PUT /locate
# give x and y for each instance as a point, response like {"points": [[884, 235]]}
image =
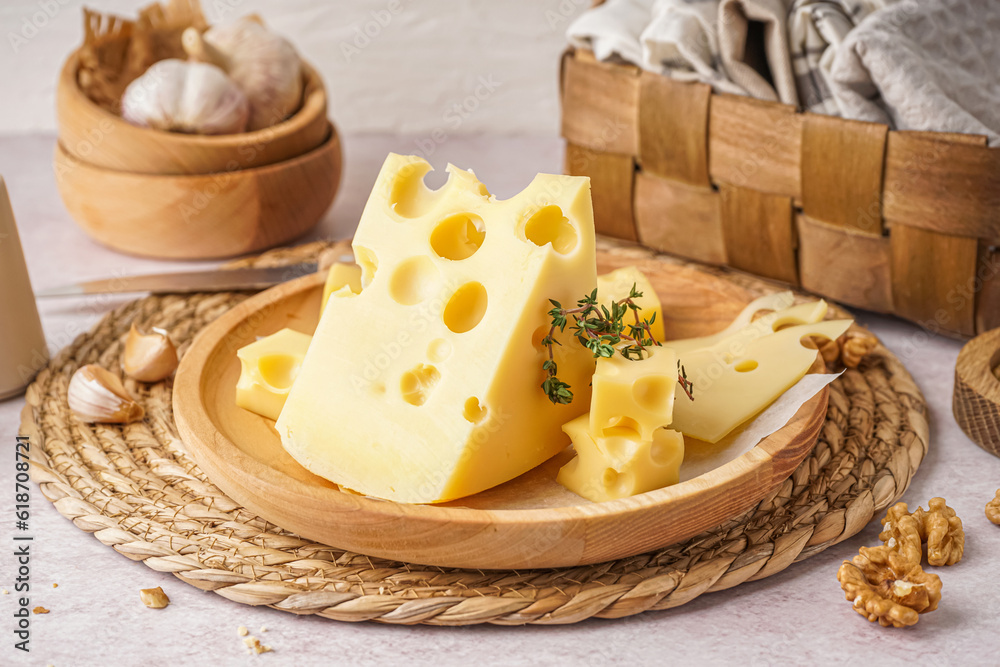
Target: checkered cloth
{"points": [[815, 29]]}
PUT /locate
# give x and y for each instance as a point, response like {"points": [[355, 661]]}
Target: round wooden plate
{"points": [[529, 522]]}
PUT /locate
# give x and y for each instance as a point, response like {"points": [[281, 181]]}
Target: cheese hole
{"points": [[458, 236], [661, 453], [439, 349], [410, 197], [539, 335], [625, 427], [465, 308], [368, 262], [652, 392], [786, 322], [746, 366], [610, 478], [415, 279], [278, 370], [416, 384], [549, 225], [474, 412]]}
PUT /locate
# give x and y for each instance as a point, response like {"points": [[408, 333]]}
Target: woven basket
{"points": [[895, 222]]}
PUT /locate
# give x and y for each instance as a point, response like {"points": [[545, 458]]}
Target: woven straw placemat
{"points": [[136, 490]]}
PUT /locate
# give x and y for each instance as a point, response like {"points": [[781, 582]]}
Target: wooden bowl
{"points": [[92, 134], [201, 216], [529, 522]]}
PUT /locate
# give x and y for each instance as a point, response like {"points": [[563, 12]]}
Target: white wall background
{"points": [[395, 66]]}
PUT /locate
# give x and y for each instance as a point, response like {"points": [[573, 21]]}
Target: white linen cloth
{"points": [[936, 64], [745, 57], [695, 40]]}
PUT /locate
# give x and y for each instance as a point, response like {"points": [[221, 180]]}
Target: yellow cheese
{"points": [[745, 329], [432, 391], [731, 386], [620, 463], [635, 393], [269, 368], [341, 277], [617, 285]]}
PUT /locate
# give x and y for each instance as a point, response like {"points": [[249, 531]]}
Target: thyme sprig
{"points": [[602, 331]]}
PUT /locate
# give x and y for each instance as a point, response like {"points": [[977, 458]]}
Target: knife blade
{"points": [[217, 280]]}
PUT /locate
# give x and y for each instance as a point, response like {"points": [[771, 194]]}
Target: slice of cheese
{"points": [[731, 388], [620, 463], [617, 285], [432, 390], [269, 367], [341, 277], [745, 329], [637, 393]]}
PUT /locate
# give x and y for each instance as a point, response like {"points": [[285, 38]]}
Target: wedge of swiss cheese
{"points": [[425, 386]]}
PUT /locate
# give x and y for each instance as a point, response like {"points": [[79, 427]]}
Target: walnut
{"points": [[992, 510], [942, 530], [154, 598], [854, 345], [901, 531], [847, 350], [887, 587]]}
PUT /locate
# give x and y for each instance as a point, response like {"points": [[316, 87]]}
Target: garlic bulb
{"points": [[149, 357], [179, 96], [97, 395], [264, 65]]}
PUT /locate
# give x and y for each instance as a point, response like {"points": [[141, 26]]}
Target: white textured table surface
{"points": [[796, 617]]}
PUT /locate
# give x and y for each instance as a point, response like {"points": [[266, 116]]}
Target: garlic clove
{"points": [[97, 395], [149, 357]]}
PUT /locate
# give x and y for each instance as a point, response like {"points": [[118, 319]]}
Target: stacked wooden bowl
{"points": [[183, 196]]}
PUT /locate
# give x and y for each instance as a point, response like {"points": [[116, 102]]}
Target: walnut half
{"points": [[938, 526], [886, 587], [993, 509], [941, 528], [900, 531]]}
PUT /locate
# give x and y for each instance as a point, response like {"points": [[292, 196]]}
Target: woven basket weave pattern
{"points": [[895, 222], [136, 490]]}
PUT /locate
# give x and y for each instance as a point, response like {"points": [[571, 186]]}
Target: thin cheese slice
{"points": [[617, 285], [637, 393], [620, 463], [426, 385], [743, 330], [269, 368], [731, 388]]}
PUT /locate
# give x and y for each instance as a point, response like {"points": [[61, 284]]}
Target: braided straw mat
{"points": [[137, 491]]}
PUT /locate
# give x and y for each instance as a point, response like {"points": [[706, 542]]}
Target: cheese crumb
{"points": [[242, 631], [40, 610], [6, 592], [263, 628], [55, 585]]}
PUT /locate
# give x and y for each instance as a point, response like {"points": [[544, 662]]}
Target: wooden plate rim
{"points": [[209, 446]]}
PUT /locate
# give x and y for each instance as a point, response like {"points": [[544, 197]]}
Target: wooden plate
{"points": [[529, 522]]}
